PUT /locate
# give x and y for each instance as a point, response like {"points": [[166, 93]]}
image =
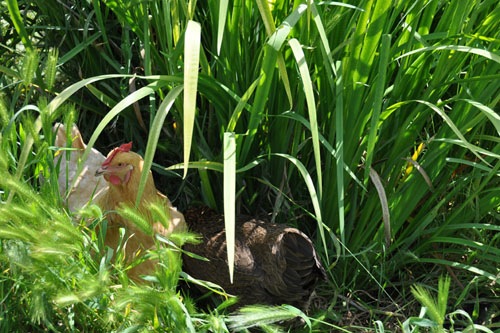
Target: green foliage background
{"points": [[371, 125]]}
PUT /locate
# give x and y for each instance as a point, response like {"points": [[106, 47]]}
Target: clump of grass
{"points": [[44, 256]]}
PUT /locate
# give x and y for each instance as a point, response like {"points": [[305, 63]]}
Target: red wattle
{"points": [[115, 180]]}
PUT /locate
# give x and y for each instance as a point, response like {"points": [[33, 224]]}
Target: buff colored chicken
{"points": [[78, 190], [122, 170]]}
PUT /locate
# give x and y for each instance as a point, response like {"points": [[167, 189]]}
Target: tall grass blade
{"points": [[356, 46], [204, 165], [277, 39], [230, 197], [458, 48], [267, 16], [476, 270], [462, 162], [4, 113], [377, 103], [311, 107], [329, 63], [154, 136], [223, 8], [255, 316], [192, 42], [101, 23], [67, 56], [493, 116], [15, 16], [371, 40], [339, 150], [241, 106], [422, 172], [260, 100], [386, 217]]}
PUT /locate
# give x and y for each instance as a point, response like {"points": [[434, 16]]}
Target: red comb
{"points": [[122, 149]]}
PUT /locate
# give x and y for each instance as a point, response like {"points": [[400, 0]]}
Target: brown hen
{"points": [[122, 170], [274, 264]]}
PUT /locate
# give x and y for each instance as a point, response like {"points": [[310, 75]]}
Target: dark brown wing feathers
{"points": [[274, 264]]}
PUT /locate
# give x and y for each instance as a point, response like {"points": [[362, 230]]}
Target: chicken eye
{"points": [[120, 164]]}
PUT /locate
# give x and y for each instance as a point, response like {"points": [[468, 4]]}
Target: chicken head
{"points": [[117, 168]]}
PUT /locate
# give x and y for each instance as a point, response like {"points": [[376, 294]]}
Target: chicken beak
{"points": [[102, 170], [109, 169]]}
